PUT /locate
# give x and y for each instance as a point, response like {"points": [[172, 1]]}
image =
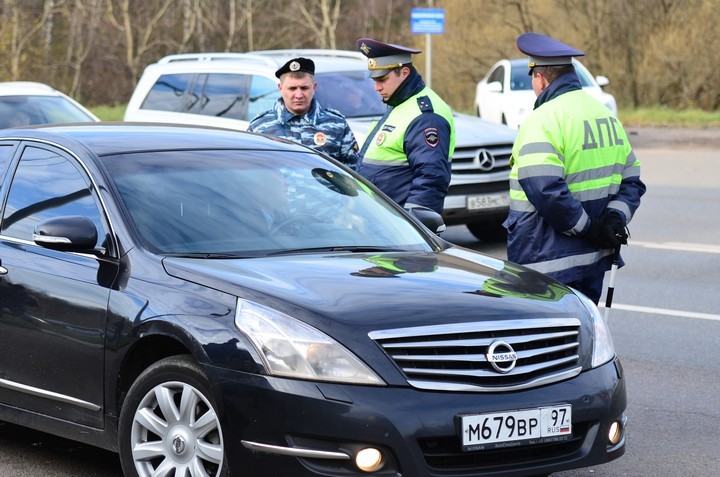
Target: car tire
{"points": [[162, 437], [491, 231]]}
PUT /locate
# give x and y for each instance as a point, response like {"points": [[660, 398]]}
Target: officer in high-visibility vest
{"points": [[575, 181], [408, 151]]}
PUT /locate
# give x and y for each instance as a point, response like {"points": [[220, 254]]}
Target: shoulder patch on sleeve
{"points": [[425, 104], [432, 138]]}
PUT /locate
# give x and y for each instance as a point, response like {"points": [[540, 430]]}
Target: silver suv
{"points": [[229, 89]]}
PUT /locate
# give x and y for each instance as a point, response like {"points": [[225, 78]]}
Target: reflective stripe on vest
{"points": [[592, 163]]}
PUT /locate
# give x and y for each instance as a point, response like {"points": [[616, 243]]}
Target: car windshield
{"points": [[28, 110], [585, 80], [350, 92], [252, 203], [520, 80]]}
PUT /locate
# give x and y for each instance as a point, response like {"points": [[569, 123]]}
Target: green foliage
{"points": [[660, 116], [654, 116], [109, 113]]}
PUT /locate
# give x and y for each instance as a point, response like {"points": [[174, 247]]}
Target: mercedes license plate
{"points": [[514, 428], [494, 201]]}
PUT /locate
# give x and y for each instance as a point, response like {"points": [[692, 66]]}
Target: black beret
{"points": [[296, 65]]}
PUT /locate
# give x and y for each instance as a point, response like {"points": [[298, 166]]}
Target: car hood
{"points": [[472, 131], [469, 130], [383, 290]]}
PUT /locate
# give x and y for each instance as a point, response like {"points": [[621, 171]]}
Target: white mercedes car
{"points": [[505, 94]]}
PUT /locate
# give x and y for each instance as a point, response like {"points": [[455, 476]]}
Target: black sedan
{"points": [[212, 303]]}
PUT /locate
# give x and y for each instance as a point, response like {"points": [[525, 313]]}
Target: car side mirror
{"points": [[495, 87], [429, 218], [602, 81], [68, 233]]}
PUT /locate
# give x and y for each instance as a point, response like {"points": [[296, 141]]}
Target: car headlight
{"points": [[603, 347], [294, 349]]}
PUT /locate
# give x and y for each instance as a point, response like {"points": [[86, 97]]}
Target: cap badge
{"points": [[365, 49], [320, 139], [294, 66]]}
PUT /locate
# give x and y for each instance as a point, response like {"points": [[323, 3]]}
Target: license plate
{"points": [[495, 201], [511, 428]]}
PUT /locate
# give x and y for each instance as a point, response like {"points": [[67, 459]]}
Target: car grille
{"points": [[481, 160], [455, 357]]}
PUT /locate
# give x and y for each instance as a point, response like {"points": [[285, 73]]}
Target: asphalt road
{"points": [[665, 322]]}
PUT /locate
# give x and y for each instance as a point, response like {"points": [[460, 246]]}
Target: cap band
{"points": [[373, 66], [544, 61]]}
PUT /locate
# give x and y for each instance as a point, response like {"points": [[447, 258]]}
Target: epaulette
{"points": [[260, 115], [425, 104], [335, 112]]}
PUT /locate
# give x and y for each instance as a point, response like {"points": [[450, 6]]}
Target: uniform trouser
{"points": [[591, 286]]}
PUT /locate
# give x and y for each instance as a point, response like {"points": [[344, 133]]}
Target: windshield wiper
{"points": [[209, 255], [347, 248]]}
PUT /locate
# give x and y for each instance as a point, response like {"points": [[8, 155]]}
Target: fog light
{"points": [[369, 460], [615, 433]]}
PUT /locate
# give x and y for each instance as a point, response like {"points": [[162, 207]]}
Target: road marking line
{"points": [[681, 246], [665, 311]]}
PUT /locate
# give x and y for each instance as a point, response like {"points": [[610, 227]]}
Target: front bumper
{"points": [[277, 426]]}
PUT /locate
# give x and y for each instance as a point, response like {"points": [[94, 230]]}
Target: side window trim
{"points": [[6, 169], [83, 172]]}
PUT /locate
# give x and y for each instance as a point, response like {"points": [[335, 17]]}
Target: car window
{"points": [[351, 92], [170, 93], [498, 74], [222, 95], [6, 152], [240, 202], [584, 78], [263, 94], [520, 80], [65, 191], [21, 110]]}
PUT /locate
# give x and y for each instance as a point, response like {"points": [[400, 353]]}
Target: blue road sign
{"points": [[427, 20]]}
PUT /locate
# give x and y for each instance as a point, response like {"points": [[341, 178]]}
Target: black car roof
{"points": [[121, 137]]}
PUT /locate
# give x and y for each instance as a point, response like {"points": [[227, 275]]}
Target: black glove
{"points": [[612, 231], [607, 231]]}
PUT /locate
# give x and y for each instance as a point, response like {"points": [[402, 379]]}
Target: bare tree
{"points": [[137, 29], [24, 24], [321, 18], [189, 23], [654, 51], [238, 19], [83, 22]]}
